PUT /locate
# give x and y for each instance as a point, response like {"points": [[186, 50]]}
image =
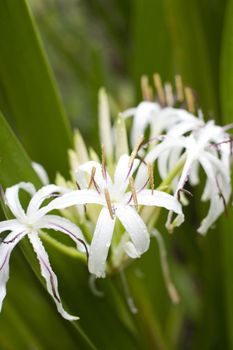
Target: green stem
{"points": [[70, 251], [173, 173], [150, 214]]}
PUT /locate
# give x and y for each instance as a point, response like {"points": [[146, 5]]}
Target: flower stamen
{"points": [[92, 178], [108, 201], [135, 150], [189, 99], [169, 94], [151, 177], [133, 190], [179, 88], [146, 89], [159, 88]]}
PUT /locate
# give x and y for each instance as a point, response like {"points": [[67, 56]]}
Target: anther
{"points": [[108, 201], [133, 191], [159, 89], [146, 89], [77, 185], [169, 95], [179, 88], [189, 99], [135, 150], [92, 178], [151, 177]]}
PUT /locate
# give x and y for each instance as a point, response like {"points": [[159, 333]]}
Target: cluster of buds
{"points": [[169, 134]]}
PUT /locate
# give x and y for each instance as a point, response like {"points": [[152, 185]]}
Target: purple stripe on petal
{"points": [[51, 280], [4, 262], [128, 174], [13, 239], [76, 238]]}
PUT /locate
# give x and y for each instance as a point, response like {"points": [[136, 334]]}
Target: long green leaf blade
{"points": [[226, 87], [28, 95]]}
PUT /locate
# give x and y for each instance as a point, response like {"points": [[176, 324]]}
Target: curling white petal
{"points": [[100, 244], [128, 112], [163, 164], [145, 113], [39, 197], [135, 227], [216, 202], [5, 252], [48, 274], [194, 176], [41, 172], [58, 223], [73, 198], [159, 199], [131, 250], [183, 128], [12, 198], [10, 225]]}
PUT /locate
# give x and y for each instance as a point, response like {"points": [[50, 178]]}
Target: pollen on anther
{"points": [[133, 191], [108, 201]]}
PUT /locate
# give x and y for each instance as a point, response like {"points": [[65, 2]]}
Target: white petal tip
{"points": [[131, 251]]}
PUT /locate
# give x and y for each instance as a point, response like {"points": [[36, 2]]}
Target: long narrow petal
{"points": [[159, 199], [105, 124], [10, 225], [5, 251], [12, 198], [48, 274], [135, 227], [123, 172], [73, 198], [146, 113], [100, 244], [41, 195], [58, 223], [41, 172], [216, 202]]}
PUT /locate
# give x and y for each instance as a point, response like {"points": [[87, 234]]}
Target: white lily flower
{"points": [[199, 151], [117, 203], [29, 224], [174, 121]]}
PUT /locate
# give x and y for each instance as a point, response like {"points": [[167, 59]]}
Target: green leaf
{"points": [[189, 48], [151, 45], [28, 95], [15, 164], [227, 112]]}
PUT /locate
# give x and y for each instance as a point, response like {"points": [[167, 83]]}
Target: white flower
{"points": [[144, 115], [174, 121], [199, 150], [29, 224], [117, 203]]}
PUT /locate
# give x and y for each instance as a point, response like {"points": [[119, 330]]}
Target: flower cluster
{"points": [[114, 196]]}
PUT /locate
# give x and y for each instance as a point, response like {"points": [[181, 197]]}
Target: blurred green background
{"points": [[54, 56]]}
